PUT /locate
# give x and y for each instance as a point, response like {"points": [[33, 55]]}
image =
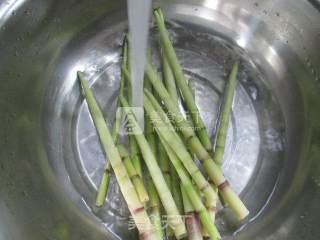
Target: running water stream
{"points": [[139, 12]]}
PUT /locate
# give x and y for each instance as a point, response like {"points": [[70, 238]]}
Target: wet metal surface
{"points": [[51, 160]]}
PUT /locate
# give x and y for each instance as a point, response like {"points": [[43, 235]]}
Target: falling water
{"points": [[139, 15]]}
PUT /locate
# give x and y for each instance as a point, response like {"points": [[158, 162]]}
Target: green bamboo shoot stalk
{"points": [[154, 207], [225, 115], [163, 124], [104, 183], [190, 190], [181, 80], [179, 149], [172, 89], [193, 196], [187, 94], [134, 176], [164, 164], [172, 138], [103, 187], [174, 219], [212, 169], [123, 64], [116, 125], [172, 175], [204, 233], [135, 154], [169, 78], [136, 159], [125, 69], [154, 203], [188, 113], [105, 179], [176, 190], [139, 215], [211, 210], [192, 221]]}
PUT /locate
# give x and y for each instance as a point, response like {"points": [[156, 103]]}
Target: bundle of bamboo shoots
{"points": [[171, 183]]}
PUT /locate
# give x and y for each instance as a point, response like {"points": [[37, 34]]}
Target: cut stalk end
{"points": [[235, 203]]}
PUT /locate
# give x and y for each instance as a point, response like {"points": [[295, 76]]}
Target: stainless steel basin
{"points": [[50, 157]]}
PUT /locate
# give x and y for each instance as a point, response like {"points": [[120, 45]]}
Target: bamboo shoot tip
{"points": [[80, 74]]}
